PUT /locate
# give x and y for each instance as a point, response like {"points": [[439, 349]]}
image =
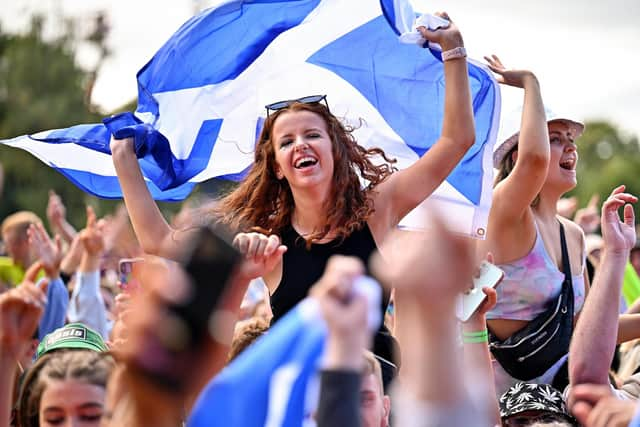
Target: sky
{"points": [[585, 53]]}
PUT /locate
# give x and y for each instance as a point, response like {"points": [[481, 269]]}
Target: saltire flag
{"points": [[273, 382], [201, 100]]}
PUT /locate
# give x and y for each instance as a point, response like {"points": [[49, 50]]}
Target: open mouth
{"points": [[568, 164], [305, 162]]}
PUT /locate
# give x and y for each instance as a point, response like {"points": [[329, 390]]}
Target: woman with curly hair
{"points": [[303, 199]]}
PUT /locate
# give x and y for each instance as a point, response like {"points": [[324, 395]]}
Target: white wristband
{"points": [[456, 52]]}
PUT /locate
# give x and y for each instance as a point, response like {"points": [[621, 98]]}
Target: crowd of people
{"points": [[129, 321]]}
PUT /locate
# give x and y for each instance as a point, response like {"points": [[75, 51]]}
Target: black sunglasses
{"points": [[280, 105]]}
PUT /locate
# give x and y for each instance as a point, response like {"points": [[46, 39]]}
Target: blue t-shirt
{"points": [[55, 312]]}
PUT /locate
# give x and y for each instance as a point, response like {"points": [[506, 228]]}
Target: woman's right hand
{"points": [[515, 78], [448, 38], [262, 253], [122, 146]]}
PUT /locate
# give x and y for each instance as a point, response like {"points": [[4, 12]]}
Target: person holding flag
{"points": [[304, 190]]}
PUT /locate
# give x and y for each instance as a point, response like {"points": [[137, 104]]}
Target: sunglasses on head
{"points": [[281, 105]]}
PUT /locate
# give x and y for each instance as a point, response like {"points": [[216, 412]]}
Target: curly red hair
{"points": [[264, 201]]}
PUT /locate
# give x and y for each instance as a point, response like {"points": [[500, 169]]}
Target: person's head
{"points": [[65, 388], [374, 405], [245, 334], [303, 147], [526, 404], [15, 237], [71, 336], [563, 152]]}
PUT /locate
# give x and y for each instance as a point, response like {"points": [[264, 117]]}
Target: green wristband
{"points": [[484, 333], [475, 340]]}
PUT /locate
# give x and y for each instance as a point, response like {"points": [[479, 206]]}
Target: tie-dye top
{"points": [[530, 283]]}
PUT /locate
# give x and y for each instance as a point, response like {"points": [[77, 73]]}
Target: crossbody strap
{"points": [[567, 285]]}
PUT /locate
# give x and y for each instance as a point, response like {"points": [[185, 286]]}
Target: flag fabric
{"points": [[273, 382], [201, 99]]}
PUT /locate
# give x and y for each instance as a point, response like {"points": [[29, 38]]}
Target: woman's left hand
{"points": [[619, 236]]}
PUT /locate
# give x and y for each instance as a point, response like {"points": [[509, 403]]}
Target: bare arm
{"points": [[20, 312], [408, 188], [153, 232], [511, 198], [594, 338], [57, 216], [427, 274], [628, 327], [477, 359]]}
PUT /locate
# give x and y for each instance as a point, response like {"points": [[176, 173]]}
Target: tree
{"points": [[607, 158], [42, 88]]}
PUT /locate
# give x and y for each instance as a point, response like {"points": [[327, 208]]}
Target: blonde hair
{"points": [[20, 221], [372, 366]]}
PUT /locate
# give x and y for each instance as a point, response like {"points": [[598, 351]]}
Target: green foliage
{"points": [[42, 88], [607, 158]]}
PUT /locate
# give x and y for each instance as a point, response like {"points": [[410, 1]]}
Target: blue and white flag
{"points": [[272, 383], [201, 99]]}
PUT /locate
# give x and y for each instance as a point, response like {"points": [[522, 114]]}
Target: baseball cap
{"points": [[72, 336], [510, 131]]}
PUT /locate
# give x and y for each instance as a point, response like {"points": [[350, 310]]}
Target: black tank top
{"points": [[302, 267]]}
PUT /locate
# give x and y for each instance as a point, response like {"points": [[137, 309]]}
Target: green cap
{"points": [[73, 335]]}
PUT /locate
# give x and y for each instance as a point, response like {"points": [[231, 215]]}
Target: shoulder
{"points": [[575, 237], [573, 230]]}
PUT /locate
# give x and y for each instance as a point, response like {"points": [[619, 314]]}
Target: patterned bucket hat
{"points": [[524, 397]]}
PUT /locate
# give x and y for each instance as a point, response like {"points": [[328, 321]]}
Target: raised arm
{"points": [[428, 272], [87, 304], [477, 358], [594, 338], [406, 189], [513, 196], [153, 232], [57, 216], [20, 311]]}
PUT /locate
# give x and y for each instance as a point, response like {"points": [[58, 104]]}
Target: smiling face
{"points": [[302, 149], [563, 156], [71, 403]]}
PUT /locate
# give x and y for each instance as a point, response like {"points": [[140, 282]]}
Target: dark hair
{"points": [[82, 365], [262, 200], [506, 167]]}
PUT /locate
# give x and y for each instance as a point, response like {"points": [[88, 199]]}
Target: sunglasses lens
{"points": [[305, 100], [279, 105], [311, 99]]}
